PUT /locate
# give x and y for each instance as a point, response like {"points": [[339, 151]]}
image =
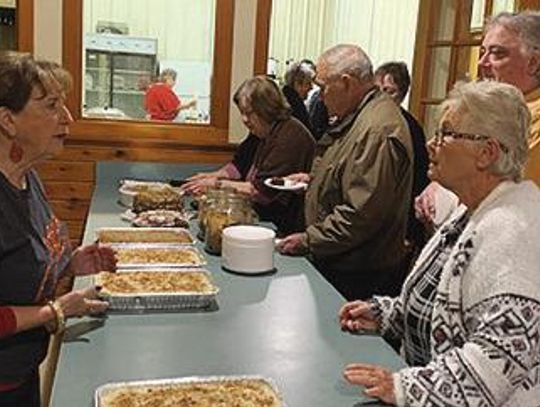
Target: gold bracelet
{"points": [[59, 316]]}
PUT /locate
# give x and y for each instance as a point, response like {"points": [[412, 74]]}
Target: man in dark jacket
{"points": [[359, 190]]}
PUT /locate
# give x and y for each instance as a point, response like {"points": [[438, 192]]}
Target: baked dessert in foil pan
{"points": [[142, 255], [157, 289], [112, 235], [200, 391]]}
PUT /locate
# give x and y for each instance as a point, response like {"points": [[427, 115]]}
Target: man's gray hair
{"points": [[526, 25], [496, 110], [299, 72], [348, 59]]}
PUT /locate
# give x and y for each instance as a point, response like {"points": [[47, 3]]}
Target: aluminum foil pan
{"points": [[116, 235], [102, 391], [156, 255], [155, 301]]}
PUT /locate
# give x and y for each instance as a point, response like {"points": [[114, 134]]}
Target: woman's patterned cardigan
{"points": [[485, 327]]}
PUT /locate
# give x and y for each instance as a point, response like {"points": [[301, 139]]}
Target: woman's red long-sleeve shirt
{"points": [[161, 102]]}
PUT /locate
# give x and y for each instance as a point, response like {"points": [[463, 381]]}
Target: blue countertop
{"points": [[283, 326]]}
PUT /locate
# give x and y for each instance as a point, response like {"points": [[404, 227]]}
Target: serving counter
{"points": [[282, 326]]}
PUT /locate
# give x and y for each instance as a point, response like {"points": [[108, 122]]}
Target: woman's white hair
{"points": [[299, 72], [348, 59], [496, 110]]}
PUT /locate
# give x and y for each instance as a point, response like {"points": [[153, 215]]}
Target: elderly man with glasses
{"points": [[510, 53]]}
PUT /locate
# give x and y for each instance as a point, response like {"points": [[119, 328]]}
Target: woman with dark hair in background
{"points": [[298, 82], [393, 78]]}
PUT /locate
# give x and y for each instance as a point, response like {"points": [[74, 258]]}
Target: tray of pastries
{"points": [[224, 391], [156, 289], [135, 255], [130, 188], [160, 218], [146, 235], [134, 185], [165, 197]]}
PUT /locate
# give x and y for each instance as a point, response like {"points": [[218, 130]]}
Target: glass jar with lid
{"points": [[224, 211], [205, 201]]}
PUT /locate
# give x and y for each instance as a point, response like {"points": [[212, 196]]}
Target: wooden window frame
{"points": [[140, 132], [25, 25], [425, 44], [262, 36], [462, 37]]}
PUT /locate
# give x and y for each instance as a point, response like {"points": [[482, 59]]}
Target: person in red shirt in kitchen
{"points": [[161, 102]]}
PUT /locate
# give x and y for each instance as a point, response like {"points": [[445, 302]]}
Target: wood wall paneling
{"points": [[141, 153], [58, 190], [148, 133], [75, 229], [528, 5], [55, 170], [69, 187], [72, 209]]}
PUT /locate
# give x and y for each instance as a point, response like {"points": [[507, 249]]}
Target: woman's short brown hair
{"points": [[264, 98], [20, 73]]}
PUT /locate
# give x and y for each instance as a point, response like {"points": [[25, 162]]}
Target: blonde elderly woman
{"points": [[469, 313]]}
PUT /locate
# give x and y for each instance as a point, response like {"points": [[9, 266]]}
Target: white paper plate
{"points": [[289, 185], [128, 215], [248, 249]]}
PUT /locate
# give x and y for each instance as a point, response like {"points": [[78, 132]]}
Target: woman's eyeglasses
{"points": [[440, 135]]}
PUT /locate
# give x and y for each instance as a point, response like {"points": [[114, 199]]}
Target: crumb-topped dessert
{"points": [[154, 282], [153, 255], [233, 393], [131, 235], [164, 197]]}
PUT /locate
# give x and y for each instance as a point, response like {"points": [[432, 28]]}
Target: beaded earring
{"points": [[15, 153]]}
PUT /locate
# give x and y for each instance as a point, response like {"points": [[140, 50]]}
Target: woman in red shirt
{"points": [[161, 102]]}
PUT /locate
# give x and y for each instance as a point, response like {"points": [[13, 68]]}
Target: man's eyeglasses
{"points": [[440, 135]]}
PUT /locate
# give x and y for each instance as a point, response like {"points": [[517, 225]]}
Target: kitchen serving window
{"points": [[128, 43]]}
